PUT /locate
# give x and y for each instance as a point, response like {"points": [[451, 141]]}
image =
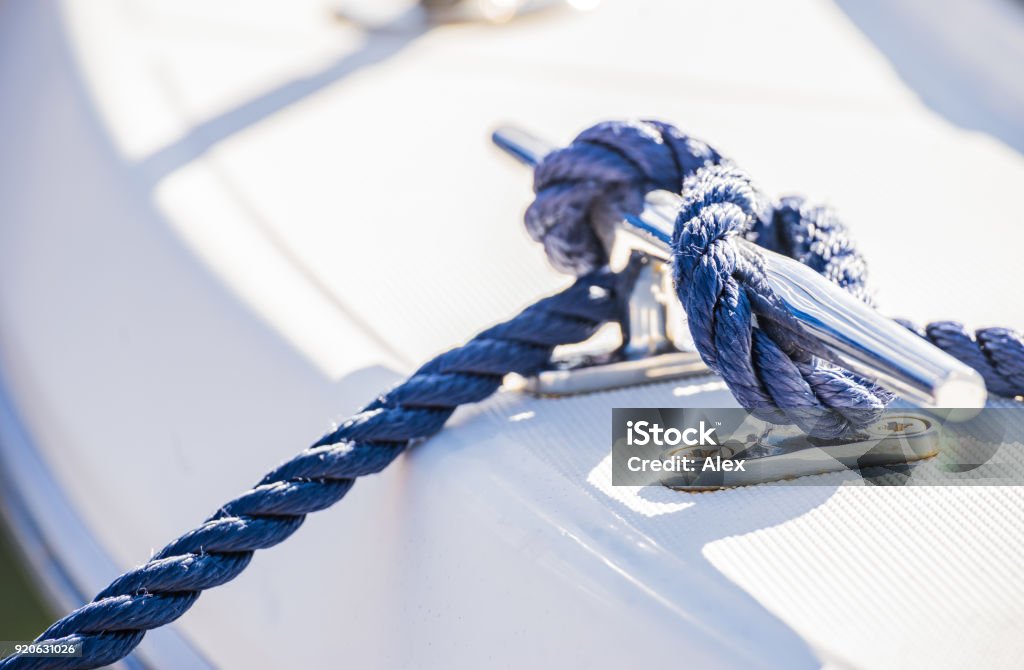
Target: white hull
{"points": [[186, 299]]}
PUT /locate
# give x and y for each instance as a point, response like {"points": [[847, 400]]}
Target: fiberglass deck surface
{"points": [[228, 224]]}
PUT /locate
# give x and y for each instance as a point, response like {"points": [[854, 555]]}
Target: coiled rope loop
{"points": [[217, 551], [586, 189], [771, 365]]}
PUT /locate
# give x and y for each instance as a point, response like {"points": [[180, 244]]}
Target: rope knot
{"points": [[587, 188], [739, 325]]}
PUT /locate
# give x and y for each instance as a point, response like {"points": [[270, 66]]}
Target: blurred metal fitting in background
{"points": [[494, 11]]}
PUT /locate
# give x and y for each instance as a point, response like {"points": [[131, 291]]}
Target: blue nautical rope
{"points": [[814, 235], [996, 353], [218, 550]]}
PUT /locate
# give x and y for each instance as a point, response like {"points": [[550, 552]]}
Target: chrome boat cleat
{"points": [[656, 345], [489, 11], [426, 13]]}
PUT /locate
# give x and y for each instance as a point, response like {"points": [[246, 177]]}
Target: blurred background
{"points": [[23, 613], [211, 211]]}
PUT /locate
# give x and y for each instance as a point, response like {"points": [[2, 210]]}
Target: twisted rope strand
{"points": [[218, 550], [996, 353]]}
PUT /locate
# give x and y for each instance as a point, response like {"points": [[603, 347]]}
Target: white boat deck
{"points": [[225, 224]]}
